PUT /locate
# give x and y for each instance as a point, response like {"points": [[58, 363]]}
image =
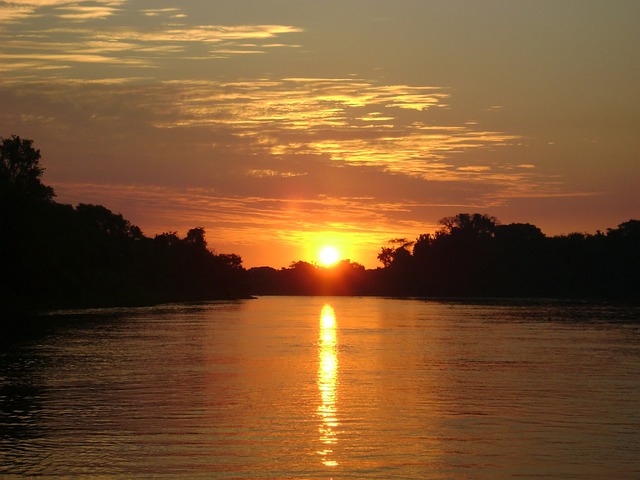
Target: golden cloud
{"points": [[18, 10], [270, 123], [348, 120], [12, 12], [205, 33], [78, 12], [155, 12], [69, 39]]}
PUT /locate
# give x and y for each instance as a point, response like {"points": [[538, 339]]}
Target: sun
{"points": [[328, 256]]}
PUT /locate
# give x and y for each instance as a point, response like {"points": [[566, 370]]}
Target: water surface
{"points": [[312, 387]]}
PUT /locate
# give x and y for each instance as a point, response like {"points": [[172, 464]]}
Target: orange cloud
{"points": [[358, 225]]}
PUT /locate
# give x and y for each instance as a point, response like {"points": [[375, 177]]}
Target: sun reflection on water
{"points": [[327, 381]]}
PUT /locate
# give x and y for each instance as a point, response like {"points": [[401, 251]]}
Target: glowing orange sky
{"points": [[282, 125]]}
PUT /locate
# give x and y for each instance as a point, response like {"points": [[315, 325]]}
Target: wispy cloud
{"points": [[243, 120], [345, 119], [242, 224], [205, 33], [359, 225], [107, 32], [292, 134], [84, 12], [12, 12], [394, 128], [18, 10], [273, 122], [169, 12], [60, 60]]}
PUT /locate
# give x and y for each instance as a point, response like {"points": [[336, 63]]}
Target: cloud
{"points": [[289, 228], [278, 136], [288, 129], [49, 3], [348, 120], [262, 173], [205, 33], [286, 157], [268, 161], [170, 12], [19, 10], [84, 12], [12, 12], [295, 104], [109, 31], [241, 224], [59, 60]]}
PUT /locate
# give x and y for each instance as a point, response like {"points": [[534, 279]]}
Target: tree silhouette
{"points": [[474, 255], [398, 248], [24, 201], [58, 256], [20, 171], [304, 278], [477, 225], [196, 238], [54, 255]]}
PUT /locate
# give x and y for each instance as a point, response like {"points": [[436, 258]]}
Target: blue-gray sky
{"points": [[283, 125]]}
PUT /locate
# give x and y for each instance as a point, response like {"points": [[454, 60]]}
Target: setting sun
{"points": [[328, 256]]}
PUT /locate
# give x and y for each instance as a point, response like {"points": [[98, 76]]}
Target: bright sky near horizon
{"points": [[283, 125]]}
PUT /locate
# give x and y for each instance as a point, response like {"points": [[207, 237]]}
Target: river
{"points": [[325, 387]]}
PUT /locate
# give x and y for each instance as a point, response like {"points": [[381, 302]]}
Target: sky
{"points": [[281, 126]]}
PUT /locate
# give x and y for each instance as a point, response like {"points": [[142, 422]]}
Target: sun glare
{"points": [[328, 256]]}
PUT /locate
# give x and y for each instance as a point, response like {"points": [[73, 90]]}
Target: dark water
{"points": [[301, 387]]}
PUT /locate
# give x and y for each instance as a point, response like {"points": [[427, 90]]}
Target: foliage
{"points": [[58, 256], [303, 278], [475, 256], [20, 172]]}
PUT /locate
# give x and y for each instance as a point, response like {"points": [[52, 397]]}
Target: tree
{"points": [[422, 246], [397, 250], [627, 230], [108, 224], [519, 261], [25, 205], [624, 259], [230, 260], [386, 256], [196, 238], [476, 224], [167, 240], [20, 171]]}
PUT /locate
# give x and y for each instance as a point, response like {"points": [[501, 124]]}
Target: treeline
{"points": [[473, 255], [57, 256], [303, 278]]}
